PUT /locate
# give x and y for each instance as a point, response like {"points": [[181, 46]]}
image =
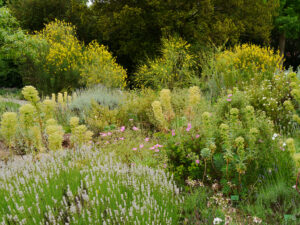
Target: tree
{"points": [[34, 14], [133, 29], [288, 22], [11, 37]]}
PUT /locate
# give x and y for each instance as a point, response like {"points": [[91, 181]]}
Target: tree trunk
{"points": [[282, 44]]}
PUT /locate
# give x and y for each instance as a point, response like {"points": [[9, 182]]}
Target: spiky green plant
{"points": [[8, 128]]}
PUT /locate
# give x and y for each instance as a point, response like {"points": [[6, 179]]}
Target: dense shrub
{"points": [[63, 58], [233, 144], [173, 69], [277, 97], [243, 65], [11, 37], [99, 67]]}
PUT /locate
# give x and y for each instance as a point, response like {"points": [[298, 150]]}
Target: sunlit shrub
{"points": [[80, 135], [172, 69], [8, 128], [277, 98], [243, 65], [233, 143], [99, 67], [99, 117], [64, 56]]}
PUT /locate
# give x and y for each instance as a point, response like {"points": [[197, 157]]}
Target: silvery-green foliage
{"points": [[85, 187]]}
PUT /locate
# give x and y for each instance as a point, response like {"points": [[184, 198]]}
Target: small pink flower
{"points": [[158, 146], [134, 149], [97, 143], [165, 165], [122, 128], [107, 142], [109, 133], [141, 146], [197, 136], [130, 119], [229, 95], [147, 139], [156, 150], [173, 132], [189, 127], [228, 99], [152, 148], [135, 128], [121, 138], [103, 134], [197, 161]]}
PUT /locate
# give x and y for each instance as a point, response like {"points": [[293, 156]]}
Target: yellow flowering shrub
{"points": [[244, 64], [100, 67], [172, 69], [64, 55]]}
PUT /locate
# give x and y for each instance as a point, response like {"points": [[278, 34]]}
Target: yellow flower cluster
{"points": [[80, 134], [65, 51], [158, 114], [165, 100], [100, 67], [55, 134], [8, 127], [247, 62]]}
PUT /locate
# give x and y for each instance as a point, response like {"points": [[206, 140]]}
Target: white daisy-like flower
{"points": [[217, 220]]}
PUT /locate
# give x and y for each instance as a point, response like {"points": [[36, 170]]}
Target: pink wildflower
{"points": [[122, 128], [109, 133], [147, 139], [103, 134], [135, 128], [165, 165], [141, 146], [158, 146], [173, 132], [156, 150], [197, 136], [189, 127], [228, 99], [134, 149], [152, 148], [130, 119], [121, 138], [197, 161], [229, 95]]}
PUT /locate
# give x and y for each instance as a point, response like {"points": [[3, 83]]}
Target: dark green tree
{"points": [[133, 29], [288, 22]]}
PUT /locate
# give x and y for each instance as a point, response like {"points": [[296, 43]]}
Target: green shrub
{"points": [[173, 69], [233, 144], [11, 37], [277, 97], [99, 67], [243, 65], [101, 94]]}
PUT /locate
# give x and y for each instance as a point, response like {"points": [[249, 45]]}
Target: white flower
{"points": [[217, 220], [284, 144], [257, 220]]}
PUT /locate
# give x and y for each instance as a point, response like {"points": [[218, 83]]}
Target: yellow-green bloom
{"points": [[31, 94]]}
